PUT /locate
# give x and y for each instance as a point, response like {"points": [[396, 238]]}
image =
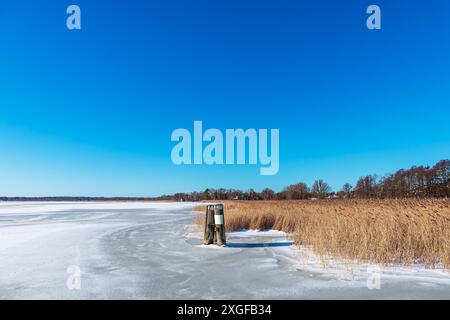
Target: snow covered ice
{"points": [[143, 250]]}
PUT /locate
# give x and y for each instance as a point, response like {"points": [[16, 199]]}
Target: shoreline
{"points": [[303, 258], [406, 231]]}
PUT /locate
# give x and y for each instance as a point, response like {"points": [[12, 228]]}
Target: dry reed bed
{"points": [[380, 231]]}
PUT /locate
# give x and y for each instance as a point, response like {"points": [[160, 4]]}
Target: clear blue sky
{"points": [[91, 112]]}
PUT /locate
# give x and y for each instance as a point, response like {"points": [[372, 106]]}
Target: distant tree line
{"points": [[417, 182], [69, 198]]}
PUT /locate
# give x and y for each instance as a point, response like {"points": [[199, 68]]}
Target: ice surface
{"points": [[143, 250]]}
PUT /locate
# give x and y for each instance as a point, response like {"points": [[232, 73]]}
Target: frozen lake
{"points": [[151, 251]]}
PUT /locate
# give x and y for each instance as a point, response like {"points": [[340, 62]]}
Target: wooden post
{"points": [[219, 222], [208, 236], [214, 232]]}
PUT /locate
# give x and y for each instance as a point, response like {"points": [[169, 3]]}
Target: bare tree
{"points": [[267, 194], [297, 191], [441, 179], [252, 194], [320, 188], [366, 187], [347, 190]]}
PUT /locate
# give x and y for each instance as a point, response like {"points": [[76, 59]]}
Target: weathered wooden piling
{"points": [[208, 237], [219, 222], [214, 232]]}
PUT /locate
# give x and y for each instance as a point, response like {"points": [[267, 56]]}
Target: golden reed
{"points": [[382, 231]]}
